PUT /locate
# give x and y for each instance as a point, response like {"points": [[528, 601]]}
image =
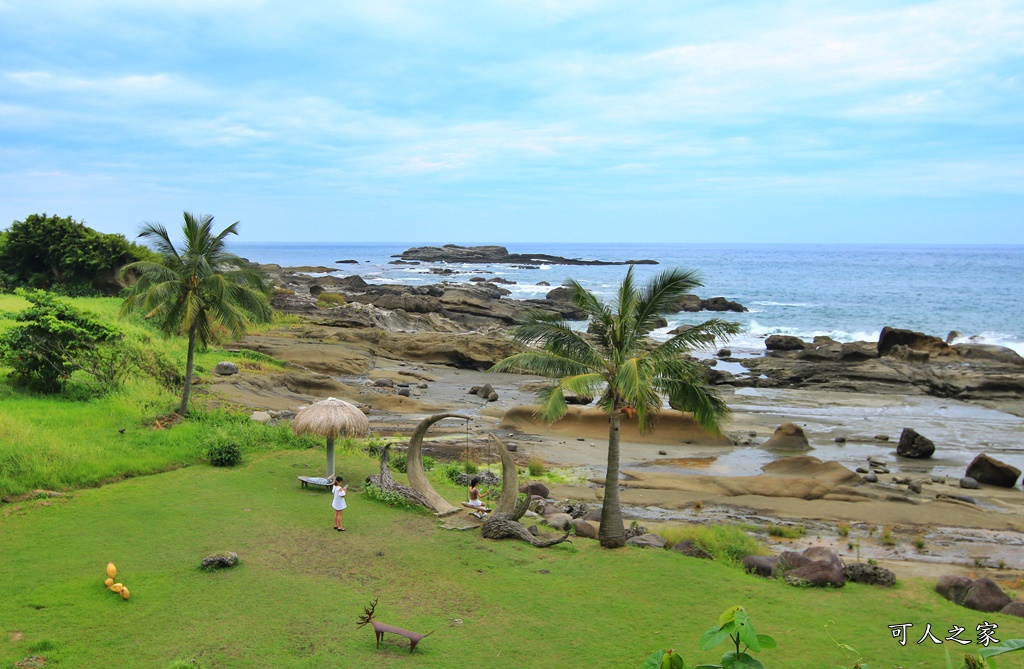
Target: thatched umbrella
{"points": [[331, 418]]}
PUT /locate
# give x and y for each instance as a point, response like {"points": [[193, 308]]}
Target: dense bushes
{"points": [[65, 256]]}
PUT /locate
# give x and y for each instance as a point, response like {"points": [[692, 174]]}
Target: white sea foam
{"points": [[769, 303], [993, 339]]}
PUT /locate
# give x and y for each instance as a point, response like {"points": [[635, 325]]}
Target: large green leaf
{"points": [[729, 615], [769, 642], [716, 635], [746, 630], [1008, 646]]}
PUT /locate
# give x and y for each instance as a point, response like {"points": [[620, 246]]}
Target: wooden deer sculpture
{"points": [[380, 628]]}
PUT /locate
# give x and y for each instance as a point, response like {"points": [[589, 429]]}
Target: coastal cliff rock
{"points": [[990, 376], [917, 341]]}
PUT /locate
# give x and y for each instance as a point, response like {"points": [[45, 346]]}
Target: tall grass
{"points": [[724, 542]]}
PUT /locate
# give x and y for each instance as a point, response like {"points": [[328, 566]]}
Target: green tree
{"points": [[616, 360], [51, 341], [63, 255], [192, 290]]}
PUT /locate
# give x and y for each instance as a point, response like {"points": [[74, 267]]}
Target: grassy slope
{"points": [[294, 600], [57, 443]]}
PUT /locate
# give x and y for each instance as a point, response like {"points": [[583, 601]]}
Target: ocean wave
{"points": [[769, 303], [993, 339]]}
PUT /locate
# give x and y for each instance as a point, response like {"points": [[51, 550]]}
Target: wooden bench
{"points": [[315, 480]]}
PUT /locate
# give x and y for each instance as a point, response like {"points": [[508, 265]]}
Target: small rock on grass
{"points": [[220, 560]]}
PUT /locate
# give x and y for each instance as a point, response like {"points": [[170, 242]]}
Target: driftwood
{"points": [[414, 466], [380, 628], [385, 481], [504, 522]]}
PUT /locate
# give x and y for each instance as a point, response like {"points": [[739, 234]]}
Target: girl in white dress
{"points": [[339, 489]]}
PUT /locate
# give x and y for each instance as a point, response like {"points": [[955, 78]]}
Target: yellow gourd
{"points": [[109, 582], [124, 593], [117, 587], [111, 570]]}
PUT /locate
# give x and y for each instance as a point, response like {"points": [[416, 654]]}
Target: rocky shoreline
{"points": [[402, 352]]}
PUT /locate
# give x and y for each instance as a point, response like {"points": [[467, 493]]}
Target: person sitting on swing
{"points": [[475, 496]]}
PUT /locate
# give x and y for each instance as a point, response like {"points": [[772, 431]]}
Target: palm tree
{"points": [[191, 291], [616, 359]]}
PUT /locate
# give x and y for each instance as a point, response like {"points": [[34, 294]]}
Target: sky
{"points": [[513, 121]]}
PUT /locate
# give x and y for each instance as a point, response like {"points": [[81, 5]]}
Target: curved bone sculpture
{"points": [[414, 465]]}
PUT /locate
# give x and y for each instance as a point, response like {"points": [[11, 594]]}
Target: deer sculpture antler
{"points": [[367, 616]]}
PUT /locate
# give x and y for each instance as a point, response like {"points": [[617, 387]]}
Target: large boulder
{"points": [[761, 565], [869, 574], [788, 437], [647, 541], [917, 341], [788, 561], [1013, 609], [985, 596], [560, 521], [824, 554], [784, 343], [989, 352], [988, 470], [688, 548], [819, 574], [535, 488], [722, 304], [584, 528], [913, 445], [953, 587]]}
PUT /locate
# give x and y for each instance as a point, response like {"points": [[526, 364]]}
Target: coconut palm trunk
{"points": [[190, 365], [612, 534]]}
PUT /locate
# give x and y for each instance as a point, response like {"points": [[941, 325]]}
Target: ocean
{"points": [[847, 292]]}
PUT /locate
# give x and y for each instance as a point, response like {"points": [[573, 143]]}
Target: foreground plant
{"points": [[616, 361], [734, 624]]}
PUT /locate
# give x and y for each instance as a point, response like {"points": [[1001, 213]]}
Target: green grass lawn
{"points": [[294, 599]]}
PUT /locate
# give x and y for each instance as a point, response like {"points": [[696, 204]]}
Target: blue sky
{"points": [[551, 120]]}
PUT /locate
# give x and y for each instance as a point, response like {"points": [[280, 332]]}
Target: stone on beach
{"points": [[788, 437], [914, 445], [986, 469]]}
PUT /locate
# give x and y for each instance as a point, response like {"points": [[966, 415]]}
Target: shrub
{"points": [[786, 531], [450, 472], [536, 467], [330, 300], [224, 454], [725, 542]]}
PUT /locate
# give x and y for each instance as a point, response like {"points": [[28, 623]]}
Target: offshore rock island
{"points": [[452, 253]]}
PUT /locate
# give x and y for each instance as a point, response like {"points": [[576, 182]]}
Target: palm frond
{"points": [[704, 336], [662, 293], [540, 362]]}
